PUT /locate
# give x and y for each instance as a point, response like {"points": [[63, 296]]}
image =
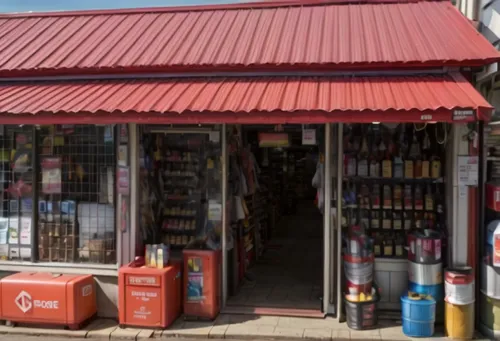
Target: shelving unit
{"points": [[399, 189], [182, 178]]}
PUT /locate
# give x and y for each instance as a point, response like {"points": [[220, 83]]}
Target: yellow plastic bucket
{"points": [[459, 321]]}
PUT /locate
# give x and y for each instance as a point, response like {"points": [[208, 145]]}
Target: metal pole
{"points": [[338, 249], [327, 218], [480, 213], [224, 216], [133, 140]]}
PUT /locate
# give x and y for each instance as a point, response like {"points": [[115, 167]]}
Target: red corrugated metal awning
{"points": [[278, 36], [244, 100]]}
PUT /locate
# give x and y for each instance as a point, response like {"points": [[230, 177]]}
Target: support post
{"points": [[224, 215], [327, 219], [133, 141], [338, 249]]}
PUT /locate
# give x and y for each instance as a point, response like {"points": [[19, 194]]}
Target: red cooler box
{"points": [[149, 297], [48, 298]]}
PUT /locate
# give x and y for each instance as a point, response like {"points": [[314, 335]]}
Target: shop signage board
{"points": [[463, 115], [273, 140], [468, 170]]}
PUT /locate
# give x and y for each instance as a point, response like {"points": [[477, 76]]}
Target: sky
{"points": [[65, 5]]}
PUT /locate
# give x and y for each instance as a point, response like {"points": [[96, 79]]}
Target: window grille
{"points": [[76, 194]]}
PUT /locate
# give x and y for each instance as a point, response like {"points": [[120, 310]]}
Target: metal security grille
{"points": [[16, 178], [76, 194]]}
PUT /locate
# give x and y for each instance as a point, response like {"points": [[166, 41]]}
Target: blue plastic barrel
{"points": [[418, 316]]}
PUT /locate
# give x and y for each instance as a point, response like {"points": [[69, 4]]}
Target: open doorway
{"points": [[279, 230]]}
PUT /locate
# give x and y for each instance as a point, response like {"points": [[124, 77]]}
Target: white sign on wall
{"points": [[468, 170]]}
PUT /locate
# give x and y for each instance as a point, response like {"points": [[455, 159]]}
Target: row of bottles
{"points": [[397, 197], [397, 154], [397, 220], [397, 168]]}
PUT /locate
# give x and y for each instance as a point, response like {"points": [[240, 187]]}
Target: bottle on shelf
{"points": [[419, 198], [398, 197], [363, 158]]}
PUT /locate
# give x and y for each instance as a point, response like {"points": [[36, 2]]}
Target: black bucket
{"points": [[361, 315]]}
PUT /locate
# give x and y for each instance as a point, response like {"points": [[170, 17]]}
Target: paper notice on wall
{"points": [[468, 170], [308, 137], [13, 231], [462, 192], [214, 211], [25, 233]]}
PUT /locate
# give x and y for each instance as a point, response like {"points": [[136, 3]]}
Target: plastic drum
{"points": [[418, 316]]}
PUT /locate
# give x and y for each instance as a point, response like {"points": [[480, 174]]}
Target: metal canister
{"points": [[425, 247], [359, 274], [425, 274], [459, 286]]}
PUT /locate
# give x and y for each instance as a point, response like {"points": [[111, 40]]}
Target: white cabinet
{"points": [[391, 276]]}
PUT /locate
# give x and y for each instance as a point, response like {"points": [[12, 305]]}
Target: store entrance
{"points": [[280, 233]]}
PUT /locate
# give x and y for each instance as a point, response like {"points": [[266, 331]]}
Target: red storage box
{"points": [[201, 283], [493, 196], [149, 297], [48, 298]]}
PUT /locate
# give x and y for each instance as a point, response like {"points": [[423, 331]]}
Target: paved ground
{"points": [[235, 327], [290, 273]]}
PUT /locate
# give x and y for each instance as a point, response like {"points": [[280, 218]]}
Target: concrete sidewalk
{"points": [[236, 327]]}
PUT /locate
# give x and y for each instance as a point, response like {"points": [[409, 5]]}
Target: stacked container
{"points": [[425, 267], [361, 297], [490, 299], [459, 303]]}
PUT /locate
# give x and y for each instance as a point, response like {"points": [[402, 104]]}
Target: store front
{"points": [[112, 141]]}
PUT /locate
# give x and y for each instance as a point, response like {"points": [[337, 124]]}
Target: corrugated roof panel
{"points": [[244, 95], [362, 34]]}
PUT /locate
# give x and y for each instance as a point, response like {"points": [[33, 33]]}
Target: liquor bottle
{"points": [[363, 158], [429, 199], [419, 198], [375, 196], [408, 198], [387, 193], [398, 197]]}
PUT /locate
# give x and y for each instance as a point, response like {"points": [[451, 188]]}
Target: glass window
{"points": [[16, 177], [76, 194]]}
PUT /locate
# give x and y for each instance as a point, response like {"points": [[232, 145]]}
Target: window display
{"points": [[180, 187], [395, 186], [16, 174], [76, 203]]}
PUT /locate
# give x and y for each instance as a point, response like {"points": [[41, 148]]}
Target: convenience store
{"points": [[102, 77]]}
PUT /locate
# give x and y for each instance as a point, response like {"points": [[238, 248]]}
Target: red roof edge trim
{"points": [[235, 6], [128, 72], [278, 117]]}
